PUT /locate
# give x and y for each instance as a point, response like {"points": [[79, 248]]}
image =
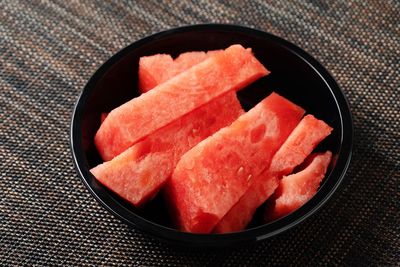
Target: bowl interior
{"points": [[294, 75]]}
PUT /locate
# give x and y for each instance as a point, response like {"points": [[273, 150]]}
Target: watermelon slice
{"points": [[239, 216], [103, 116], [156, 69], [187, 91], [300, 143], [211, 177], [309, 133], [139, 172], [296, 189]]}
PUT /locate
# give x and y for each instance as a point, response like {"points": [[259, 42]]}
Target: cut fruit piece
{"points": [[300, 143], [103, 116], [230, 70], [156, 69], [309, 133], [211, 177], [139, 172], [187, 60], [296, 189], [239, 216]]}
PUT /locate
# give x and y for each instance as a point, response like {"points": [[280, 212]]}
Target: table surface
{"points": [[49, 49]]}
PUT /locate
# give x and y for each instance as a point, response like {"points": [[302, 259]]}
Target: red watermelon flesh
{"points": [[103, 116], [300, 143], [187, 60], [296, 189], [239, 216], [156, 69], [139, 172], [139, 117], [212, 176]]}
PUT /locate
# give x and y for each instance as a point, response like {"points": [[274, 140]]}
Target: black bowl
{"points": [[294, 74]]}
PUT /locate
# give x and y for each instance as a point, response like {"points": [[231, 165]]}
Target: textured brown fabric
{"points": [[49, 49]]}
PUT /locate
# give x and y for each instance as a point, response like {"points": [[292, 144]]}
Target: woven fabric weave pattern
{"points": [[49, 49]]}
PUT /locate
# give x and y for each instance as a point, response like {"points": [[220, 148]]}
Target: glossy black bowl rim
{"points": [[229, 239]]}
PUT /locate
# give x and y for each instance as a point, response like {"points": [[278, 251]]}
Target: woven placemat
{"points": [[49, 49]]}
